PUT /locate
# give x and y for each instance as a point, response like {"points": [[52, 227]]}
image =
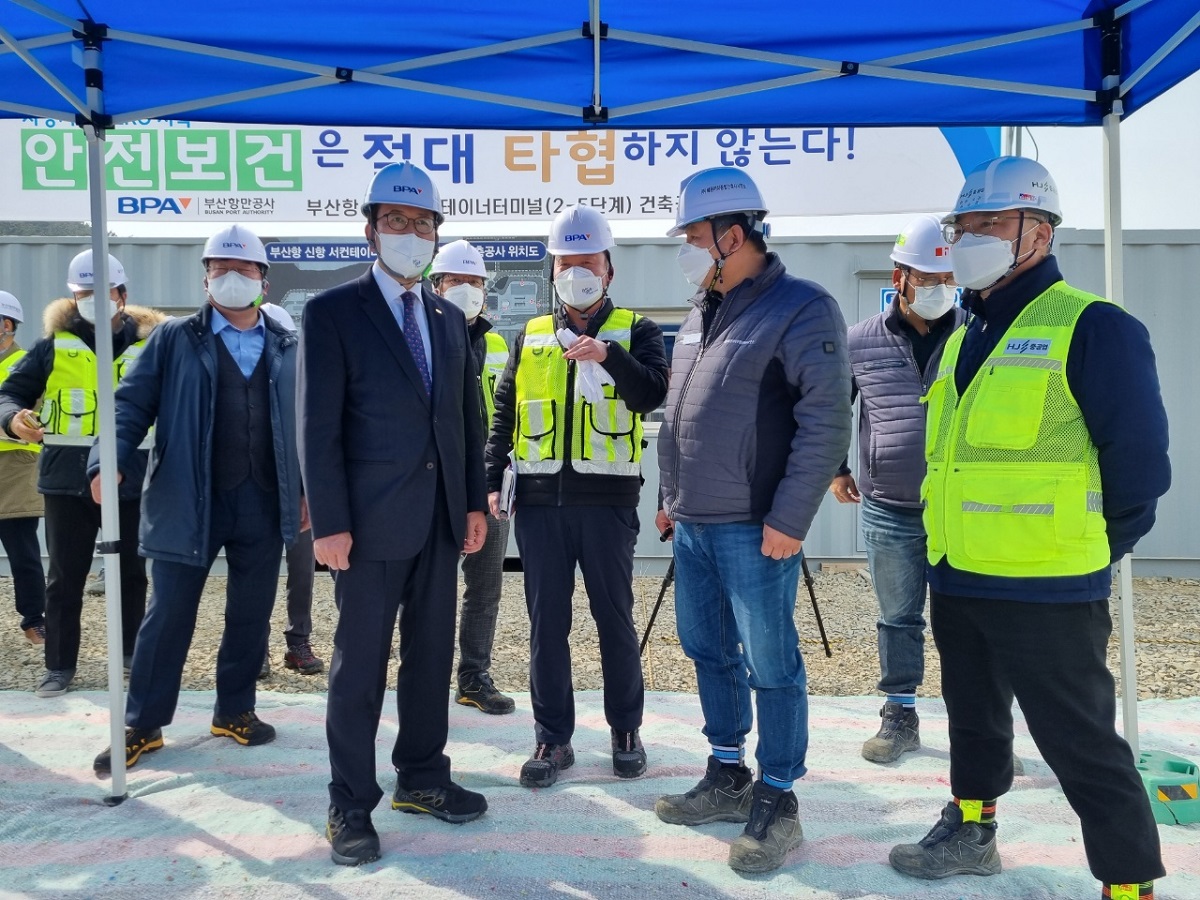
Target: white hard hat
{"points": [[579, 229], [10, 307], [1008, 182], [279, 314], [921, 246], [460, 258], [405, 184], [717, 192], [235, 242], [81, 277]]}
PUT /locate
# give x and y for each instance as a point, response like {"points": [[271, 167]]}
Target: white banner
{"points": [[177, 170]]}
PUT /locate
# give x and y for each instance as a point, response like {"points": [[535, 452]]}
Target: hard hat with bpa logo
{"points": [[82, 277], [579, 229], [459, 258], [1008, 182], [717, 192], [405, 184], [10, 307], [236, 242], [921, 246]]}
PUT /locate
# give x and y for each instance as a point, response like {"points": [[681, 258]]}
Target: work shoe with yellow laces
{"points": [[137, 742], [245, 728]]}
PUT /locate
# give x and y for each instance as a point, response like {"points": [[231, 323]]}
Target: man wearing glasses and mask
{"points": [[893, 356], [391, 446], [1046, 453], [219, 389]]}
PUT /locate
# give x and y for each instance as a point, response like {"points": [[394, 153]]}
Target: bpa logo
{"points": [[405, 189], [144, 206], [576, 237]]}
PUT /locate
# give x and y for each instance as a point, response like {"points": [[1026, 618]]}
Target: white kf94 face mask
{"points": [[934, 301], [405, 254], [466, 297], [695, 263], [578, 287], [233, 290]]}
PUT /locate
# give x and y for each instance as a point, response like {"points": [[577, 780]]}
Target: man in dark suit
{"points": [[391, 449]]}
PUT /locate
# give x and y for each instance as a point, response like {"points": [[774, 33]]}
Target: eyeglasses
{"points": [[953, 232], [250, 270], [399, 222], [923, 279], [451, 280]]}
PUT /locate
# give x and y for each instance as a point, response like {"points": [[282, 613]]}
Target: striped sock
{"points": [[777, 783], [906, 700], [1139, 891], [729, 756], [981, 811]]}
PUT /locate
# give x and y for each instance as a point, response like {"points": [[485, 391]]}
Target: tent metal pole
{"points": [[594, 6], [1114, 285], [110, 524]]}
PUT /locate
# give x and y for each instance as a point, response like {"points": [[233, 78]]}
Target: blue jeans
{"points": [[735, 611], [895, 539]]}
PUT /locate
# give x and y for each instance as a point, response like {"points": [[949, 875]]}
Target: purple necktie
{"points": [[412, 334]]}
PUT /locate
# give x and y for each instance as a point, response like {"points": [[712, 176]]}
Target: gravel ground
{"points": [[1167, 614]]}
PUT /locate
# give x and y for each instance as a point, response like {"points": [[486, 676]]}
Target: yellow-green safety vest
{"points": [[1012, 486], [6, 442], [70, 410], [606, 437], [494, 359]]}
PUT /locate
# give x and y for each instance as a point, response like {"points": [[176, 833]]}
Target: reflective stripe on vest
{"points": [[494, 359], [6, 442], [70, 409], [1012, 486], [606, 437]]}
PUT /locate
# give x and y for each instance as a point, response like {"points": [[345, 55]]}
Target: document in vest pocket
{"points": [[508, 488]]}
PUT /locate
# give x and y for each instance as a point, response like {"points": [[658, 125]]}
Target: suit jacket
{"points": [[372, 440]]}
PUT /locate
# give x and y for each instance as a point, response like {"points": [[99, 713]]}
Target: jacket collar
{"points": [[1002, 306]]}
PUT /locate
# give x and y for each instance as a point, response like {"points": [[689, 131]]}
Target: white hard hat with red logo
{"points": [[921, 245], [1008, 182]]}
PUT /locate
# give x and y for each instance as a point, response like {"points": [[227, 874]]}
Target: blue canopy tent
{"points": [[567, 64]]}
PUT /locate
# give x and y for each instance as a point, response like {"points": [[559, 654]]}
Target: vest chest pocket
{"points": [[1006, 412], [535, 429], [71, 412], [609, 429]]}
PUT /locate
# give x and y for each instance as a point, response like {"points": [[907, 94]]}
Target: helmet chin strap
{"points": [[720, 262]]}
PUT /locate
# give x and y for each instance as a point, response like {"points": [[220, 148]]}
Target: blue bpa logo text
{"points": [[148, 206]]}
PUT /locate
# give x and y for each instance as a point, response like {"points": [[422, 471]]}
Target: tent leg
{"points": [[1114, 280], [110, 523]]}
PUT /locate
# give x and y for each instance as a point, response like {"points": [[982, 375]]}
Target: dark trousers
{"points": [[20, 540], [423, 591], [245, 521], [72, 524], [1051, 657], [300, 569], [600, 539], [483, 580]]}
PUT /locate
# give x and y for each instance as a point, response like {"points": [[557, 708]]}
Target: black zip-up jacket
{"points": [[640, 378]]}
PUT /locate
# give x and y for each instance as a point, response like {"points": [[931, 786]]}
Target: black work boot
{"points": [[899, 733], [722, 795], [137, 742], [772, 832], [480, 692], [352, 836], [541, 769], [628, 754], [952, 847]]}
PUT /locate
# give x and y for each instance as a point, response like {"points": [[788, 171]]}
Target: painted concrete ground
{"points": [[206, 818]]}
